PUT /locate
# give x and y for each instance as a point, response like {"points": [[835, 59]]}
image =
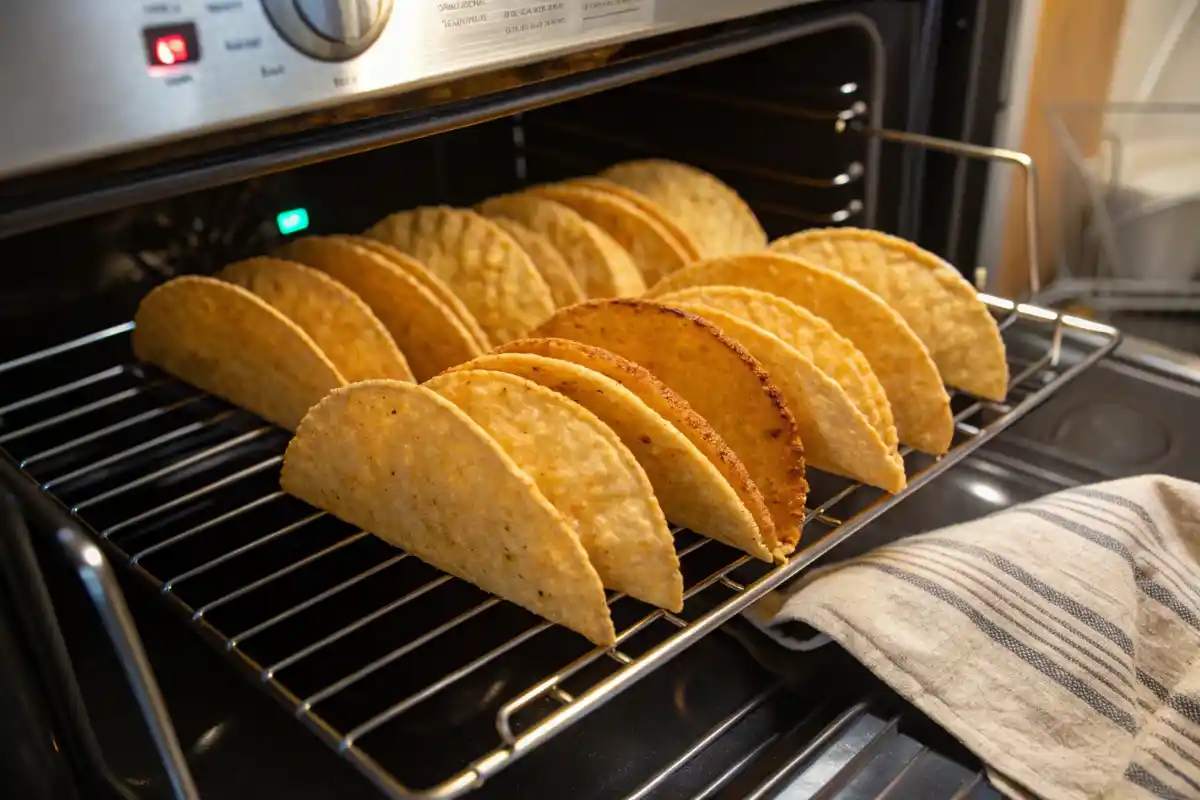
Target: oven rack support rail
{"points": [[843, 751], [1035, 379]]}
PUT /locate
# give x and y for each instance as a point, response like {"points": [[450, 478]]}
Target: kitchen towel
{"points": [[1059, 640]]}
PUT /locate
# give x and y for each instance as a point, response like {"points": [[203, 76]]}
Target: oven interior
{"points": [[420, 681]]}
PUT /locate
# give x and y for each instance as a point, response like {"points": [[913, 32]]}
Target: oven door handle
{"points": [[20, 571]]}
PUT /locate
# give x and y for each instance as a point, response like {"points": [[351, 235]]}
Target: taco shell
{"points": [[584, 470], [837, 437], [689, 488], [665, 402], [682, 239], [717, 377], [601, 266], [564, 289], [407, 465], [421, 274], [231, 343], [647, 242], [813, 337], [431, 336], [715, 216], [482, 264], [336, 318], [934, 299], [902, 363]]}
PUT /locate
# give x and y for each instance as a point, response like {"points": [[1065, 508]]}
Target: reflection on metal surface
{"points": [[209, 739], [851, 210], [817, 777], [1114, 433], [989, 493], [105, 594], [696, 749]]}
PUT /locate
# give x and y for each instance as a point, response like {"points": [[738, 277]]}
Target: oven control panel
{"points": [[81, 79]]}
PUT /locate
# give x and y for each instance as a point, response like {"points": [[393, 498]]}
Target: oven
{"points": [[175, 626]]}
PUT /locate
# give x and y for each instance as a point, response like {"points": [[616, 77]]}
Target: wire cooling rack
{"points": [[425, 683]]}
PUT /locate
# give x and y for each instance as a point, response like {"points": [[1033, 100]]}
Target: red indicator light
{"points": [[171, 49], [171, 45]]}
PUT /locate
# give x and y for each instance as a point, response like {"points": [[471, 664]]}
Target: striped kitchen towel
{"points": [[1059, 640]]}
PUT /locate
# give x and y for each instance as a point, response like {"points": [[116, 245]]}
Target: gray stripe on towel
{"points": [[993, 581], [1184, 584], [1155, 591], [937, 575], [1139, 776], [1035, 658], [1067, 603]]}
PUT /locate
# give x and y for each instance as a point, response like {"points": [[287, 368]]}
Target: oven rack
{"points": [[183, 490]]}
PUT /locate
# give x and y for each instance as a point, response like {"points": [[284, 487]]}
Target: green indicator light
{"points": [[291, 221]]}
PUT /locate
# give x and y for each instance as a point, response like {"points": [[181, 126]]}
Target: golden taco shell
{"points": [[584, 470], [601, 266], [717, 377], [667, 403], [647, 242], [336, 318], [480, 262], [431, 336], [682, 239], [837, 437], [715, 216], [233, 344], [813, 337], [421, 274], [409, 466], [899, 359], [934, 299], [688, 486], [564, 289]]}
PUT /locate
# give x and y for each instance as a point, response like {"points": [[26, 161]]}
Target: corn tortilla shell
{"points": [[426, 330], [436, 286], [899, 359], [601, 266], [665, 402], [682, 239], [564, 288], [481, 263], [231, 343], [584, 470], [813, 337], [689, 488], [375, 454], [336, 318], [934, 299], [837, 437], [647, 242], [717, 377], [715, 216]]}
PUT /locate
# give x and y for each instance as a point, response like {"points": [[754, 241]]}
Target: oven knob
{"points": [[331, 30], [346, 21]]}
